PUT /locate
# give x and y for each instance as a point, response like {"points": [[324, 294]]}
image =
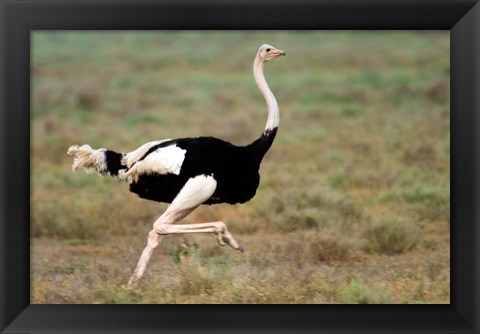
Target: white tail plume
{"points": [[88, 159]]}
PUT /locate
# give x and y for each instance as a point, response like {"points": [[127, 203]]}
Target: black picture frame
{"points": [[19, 17]]}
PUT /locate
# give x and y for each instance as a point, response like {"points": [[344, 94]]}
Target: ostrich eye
{"points": [[268, 50]]}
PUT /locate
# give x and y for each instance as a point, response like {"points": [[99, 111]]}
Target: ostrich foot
{"points": [[224, 237]]}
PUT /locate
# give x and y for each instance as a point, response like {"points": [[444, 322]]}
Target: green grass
{"points": [[359, 293], [354, 200]]}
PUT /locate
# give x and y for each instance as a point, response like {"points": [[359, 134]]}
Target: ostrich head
{"points": [[267, 52]]}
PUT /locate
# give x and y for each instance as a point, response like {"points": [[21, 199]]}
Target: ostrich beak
{"points": [[279, 52]]}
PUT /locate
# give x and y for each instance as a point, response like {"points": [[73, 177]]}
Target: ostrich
{"points": [[188, 172]]}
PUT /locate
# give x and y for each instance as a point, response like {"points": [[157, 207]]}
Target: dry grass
{"points": [[392, 237], [354, 201]]}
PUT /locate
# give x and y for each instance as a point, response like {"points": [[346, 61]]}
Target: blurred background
{"points": [[354, 200]]}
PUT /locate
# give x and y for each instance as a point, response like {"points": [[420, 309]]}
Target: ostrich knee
{"points": [[153, 239], [160, 229]]}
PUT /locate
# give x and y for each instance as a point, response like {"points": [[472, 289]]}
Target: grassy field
{"points": [[354, 200]]}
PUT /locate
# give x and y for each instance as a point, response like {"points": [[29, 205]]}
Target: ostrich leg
{"points": [[153, 240], [219, 228], [195, 191]]}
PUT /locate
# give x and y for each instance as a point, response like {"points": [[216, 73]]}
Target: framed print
{"points": [[368, 195]]}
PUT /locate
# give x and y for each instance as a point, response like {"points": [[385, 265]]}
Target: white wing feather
{"points": [[164, 160], [132, 157]]}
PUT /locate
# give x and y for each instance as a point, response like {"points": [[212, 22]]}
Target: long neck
{"points": [[262, 144], [273, 118]]}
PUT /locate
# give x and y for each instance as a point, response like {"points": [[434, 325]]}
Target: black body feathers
{"points": [[113, 161], [234, 168]]}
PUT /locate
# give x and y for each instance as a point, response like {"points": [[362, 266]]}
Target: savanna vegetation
{"points": [[354, 201]]}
